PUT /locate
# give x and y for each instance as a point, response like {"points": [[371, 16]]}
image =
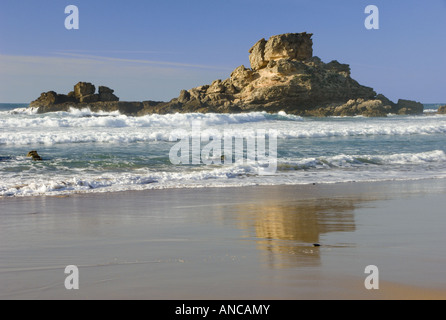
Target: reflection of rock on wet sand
{"points": [[286, 233]]}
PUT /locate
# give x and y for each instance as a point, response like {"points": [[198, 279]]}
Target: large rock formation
{"points": [[284, 76]]}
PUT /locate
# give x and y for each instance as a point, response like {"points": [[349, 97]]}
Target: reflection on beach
{"points": [[286, 234]]}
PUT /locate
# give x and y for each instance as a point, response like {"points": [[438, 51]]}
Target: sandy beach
{"points": [[229, 243]]}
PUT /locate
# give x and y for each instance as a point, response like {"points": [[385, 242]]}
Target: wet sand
{"points": [[229, 243]]}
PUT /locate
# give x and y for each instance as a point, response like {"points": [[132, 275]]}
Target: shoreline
{"points": [[228, 243], [201, 187]]}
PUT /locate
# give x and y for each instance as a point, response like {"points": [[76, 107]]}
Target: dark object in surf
{"points": [[33, 154], [316, 245]]}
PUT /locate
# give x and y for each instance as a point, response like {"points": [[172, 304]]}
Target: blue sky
{"points": [[153, 49]]}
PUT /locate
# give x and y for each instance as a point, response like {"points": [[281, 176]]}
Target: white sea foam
{"points": [[346, 161], [108, 133], [339, 168], [123, 129], [20, 111], [85, 118]]}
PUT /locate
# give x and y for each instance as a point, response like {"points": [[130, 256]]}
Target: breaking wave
{"points": [[86, 151], [340, 168], [86, 127]]}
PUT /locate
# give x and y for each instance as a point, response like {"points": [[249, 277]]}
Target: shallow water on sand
{"points": [[228, 243]]}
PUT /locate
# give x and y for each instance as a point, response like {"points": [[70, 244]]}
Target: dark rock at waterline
{"points": [[409, 107], [34, 155], [284, 76], [51, 98], [129, 108]]}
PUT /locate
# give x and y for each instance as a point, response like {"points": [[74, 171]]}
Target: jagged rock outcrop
{"points": [[85, 92], [408, 107], [51, 98], [442, 110], [83, 95], [106, 94], [294, 46], [284, 76]]}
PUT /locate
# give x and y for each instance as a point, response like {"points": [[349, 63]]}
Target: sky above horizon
{"points": [[150, 50]]}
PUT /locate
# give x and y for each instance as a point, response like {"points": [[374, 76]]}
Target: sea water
{"points": [[85, 152]]}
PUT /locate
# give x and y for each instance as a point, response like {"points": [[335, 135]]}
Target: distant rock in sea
{"points": [[442, 110], [284, 76], [84, 96]]}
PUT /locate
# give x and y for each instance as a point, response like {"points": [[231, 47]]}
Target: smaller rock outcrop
{"points": [[442, 110], [50, 98], [83, 93]]}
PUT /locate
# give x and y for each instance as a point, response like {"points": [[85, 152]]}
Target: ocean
{"points": [[87, 152]]}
